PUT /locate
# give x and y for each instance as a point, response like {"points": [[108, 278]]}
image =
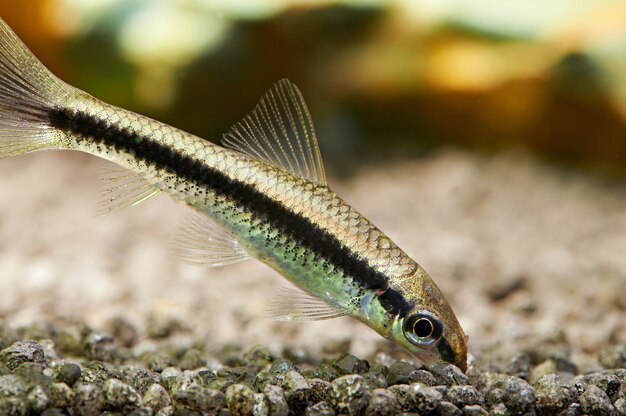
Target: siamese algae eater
{"points": [[262, 193]]}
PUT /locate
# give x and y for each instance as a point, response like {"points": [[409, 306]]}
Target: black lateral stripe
{"points": [[300, 229], [394, 302]]}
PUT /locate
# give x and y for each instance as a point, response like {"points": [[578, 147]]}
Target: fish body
{"points": [[264, 192]]}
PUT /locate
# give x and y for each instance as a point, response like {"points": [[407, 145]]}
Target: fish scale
{"points": [[262, 194]]}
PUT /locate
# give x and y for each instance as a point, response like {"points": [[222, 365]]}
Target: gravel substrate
{"points": [[72, 369], [531, 258]]}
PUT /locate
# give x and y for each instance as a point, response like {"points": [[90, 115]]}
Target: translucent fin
{"points": [[28, 91], [279, 131], [294, 305], [201, 241], [121, 189]]}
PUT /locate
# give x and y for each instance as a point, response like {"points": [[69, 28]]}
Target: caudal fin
{"points": [[28, 91]]}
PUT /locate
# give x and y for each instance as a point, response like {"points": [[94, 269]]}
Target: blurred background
{"points": [[487, 138], [382, 78]]}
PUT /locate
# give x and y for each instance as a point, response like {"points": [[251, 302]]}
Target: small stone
{"points": [[53, 412], [166, 411], [123, 331], [474, 410], [192, 359], [37, 399], [276, 401], [12, 385], [550, 395], [187, 391], [141, 411], [323, 371], [349, 364], [613, 357], [87, 400], [157, 361], [382, 403], [445, 408], [99, 346], [320, 390], [424, 377], [423, 399], [320, 409], [620, 406], [297, 391], [573, 409], [401, 372], [120, 395], [156, 397], [462, 396], [260, 408], [401, 392], [22, 352], [258, 355], [70, 339], [138, 377], [60, 395], [95, 372], [69, 373], [281, 366], [499, 410], [594, 401], [519, 396], [13, 406], [350, 394], [375, 380], [240, 399], [451, 375]]}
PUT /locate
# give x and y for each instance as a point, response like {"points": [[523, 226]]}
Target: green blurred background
{"points": [[383, 79]]}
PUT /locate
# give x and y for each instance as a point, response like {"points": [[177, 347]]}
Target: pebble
{"points": [[349, 394], [61, 395], [188, 393], [320, 390], [594, 401], [552, 396], [320, 409], [276, 401], [37, 399], [349, 364], [613, 357], [69, 373], [22, 352], [474, 410], [240, 399], [120, 395], [382, 403], [423, 399], [87, 400], [189, 380], [401, 372], [445, 408], [464, 396], [157, 397]]}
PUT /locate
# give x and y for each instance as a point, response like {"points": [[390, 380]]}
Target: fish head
{"points": [[428, 328]]}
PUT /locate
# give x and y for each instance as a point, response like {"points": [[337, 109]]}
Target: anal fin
{"points": [[201, 241]]}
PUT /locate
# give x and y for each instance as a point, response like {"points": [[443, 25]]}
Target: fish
{"points": [[262, 193]]}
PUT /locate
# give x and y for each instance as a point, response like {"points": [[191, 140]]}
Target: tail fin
{"points": [[28, 91]]}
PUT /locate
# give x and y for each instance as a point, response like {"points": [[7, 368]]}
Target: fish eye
{"points": [[422, 329]]}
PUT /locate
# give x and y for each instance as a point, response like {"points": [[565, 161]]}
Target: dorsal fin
{"points": [[279, 131]]}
